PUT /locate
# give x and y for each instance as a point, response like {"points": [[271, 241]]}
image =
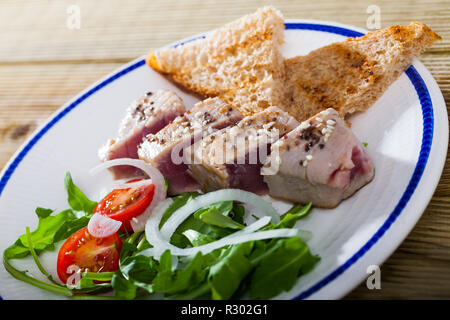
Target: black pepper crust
{"points": [[311, 135]]}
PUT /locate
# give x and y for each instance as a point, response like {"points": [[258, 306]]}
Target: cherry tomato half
{"points": [[125, 204], [82, 251]]}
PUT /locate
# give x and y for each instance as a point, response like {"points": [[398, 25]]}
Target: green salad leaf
{"points": [[197, 238], [76, 199], [140, 270], [214, 217], [238, 213], [123, 288], [294, 214], [264, 268], [233, 266], [172, 282], [177, 203], [220, 218], [52, 229], [217, 220], [279, 266], [42, 212], [228, 271]]}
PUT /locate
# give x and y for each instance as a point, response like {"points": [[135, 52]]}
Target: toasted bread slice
{"points": [[351, 75], [239, 62]]}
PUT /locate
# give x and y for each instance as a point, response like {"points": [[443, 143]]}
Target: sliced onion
{"points": [[152, 233], [160, 244], [101, 226], [138, 223], [191, 234], [213, 197], [305, 235], [229, 240], [174, 263], [258, 224], [136, 184], [154, 236]]}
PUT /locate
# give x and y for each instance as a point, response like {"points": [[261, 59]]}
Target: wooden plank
{"points": [[31, 93], [37, 30]]}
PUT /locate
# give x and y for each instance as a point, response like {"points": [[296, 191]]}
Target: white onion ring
{"points": [[258, 224], [154, 236], [138, 223], [249, 229], [156, 252], [160, 244], [135, 184], [213, 197], [152, 233], [101, 226]]}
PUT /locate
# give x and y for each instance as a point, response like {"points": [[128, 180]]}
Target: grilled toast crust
{"points": [[239, 62], [351, 75]]}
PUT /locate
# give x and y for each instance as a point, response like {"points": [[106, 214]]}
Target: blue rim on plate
{"points": [[427, 139]]}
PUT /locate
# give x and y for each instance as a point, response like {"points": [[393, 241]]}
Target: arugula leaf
{"points": [[35, 257], [128, 248], [52, 229], [129, 245], [264, 267], [290, 217], [226, 275], [196, 238], [42, 212], [174, 282], [221, 218], [123, 288], [164, 277], [76, 199], [140, 270], [143, 244], [178, 239], [216, 218], [22, 276], [177, 203], [99, 276], [238, 213], [282, 262], [297, 212], [222, 207]]}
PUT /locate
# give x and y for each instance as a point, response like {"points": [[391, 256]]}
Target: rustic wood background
{"points": [[43, 64]]}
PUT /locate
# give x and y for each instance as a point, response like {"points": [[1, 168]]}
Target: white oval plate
{"points": [[406, 131]]}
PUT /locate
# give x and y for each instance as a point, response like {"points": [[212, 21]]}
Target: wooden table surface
{"points": [[43, 63]]}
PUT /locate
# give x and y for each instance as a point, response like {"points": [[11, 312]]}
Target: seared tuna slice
{"points": [[321, 161], [233, 157], [147, 114], [164, 150]]}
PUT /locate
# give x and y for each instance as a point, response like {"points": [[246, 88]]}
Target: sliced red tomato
{"points": [[83, 252], [125, 204]]}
